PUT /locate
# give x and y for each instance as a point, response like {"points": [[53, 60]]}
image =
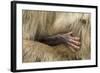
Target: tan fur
{"points": [[42, 23]]}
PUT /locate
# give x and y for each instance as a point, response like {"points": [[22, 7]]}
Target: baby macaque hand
{"points": [[71, 41], [67, 39]]}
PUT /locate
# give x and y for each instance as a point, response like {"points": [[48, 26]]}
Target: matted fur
{"points": [[37, 24]]}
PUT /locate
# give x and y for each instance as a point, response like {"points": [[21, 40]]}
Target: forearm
{"points": [[51, 40]]}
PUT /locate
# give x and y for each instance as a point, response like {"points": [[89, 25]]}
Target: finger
{"points": [[69, 33], [74, 42], [73, 45], [72, 49], [76, 38]]}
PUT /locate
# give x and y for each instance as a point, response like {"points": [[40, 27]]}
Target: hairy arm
{"points": [[67, 39], [51, 40]]}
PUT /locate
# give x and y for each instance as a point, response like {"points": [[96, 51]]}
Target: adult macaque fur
{"points": [[37, 24]]}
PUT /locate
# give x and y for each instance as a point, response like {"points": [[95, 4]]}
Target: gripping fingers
{"points": [[73, 45], [74, 42]]}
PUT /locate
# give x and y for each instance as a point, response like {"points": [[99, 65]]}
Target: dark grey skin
{"points": [[66, 39]]}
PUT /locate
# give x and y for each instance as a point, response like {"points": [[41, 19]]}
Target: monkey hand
{"points": [[67, 39], [71, 41]]}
